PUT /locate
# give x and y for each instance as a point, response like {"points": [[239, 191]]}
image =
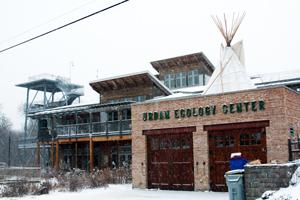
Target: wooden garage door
{"points": [[250, 142], [170, 161]]}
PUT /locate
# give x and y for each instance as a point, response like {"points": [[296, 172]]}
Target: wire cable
{"points": [[73, 22], [46, 22]]}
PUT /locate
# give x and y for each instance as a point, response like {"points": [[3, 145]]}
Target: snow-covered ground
{"points": [[125, 192]]}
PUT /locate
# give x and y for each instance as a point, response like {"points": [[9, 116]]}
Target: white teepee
{"points": [[230, 73]]}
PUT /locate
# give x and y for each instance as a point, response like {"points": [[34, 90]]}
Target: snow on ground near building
{"points": [[125, 192]]}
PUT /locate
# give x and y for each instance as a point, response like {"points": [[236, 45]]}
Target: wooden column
{"points": [[38, 154], [57, 156], [52, 156], [91, 155]]}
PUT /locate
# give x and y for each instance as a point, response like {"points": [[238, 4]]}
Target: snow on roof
{"points": [[283, 77]]}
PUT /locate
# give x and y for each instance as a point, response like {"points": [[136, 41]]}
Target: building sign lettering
{"points": [[207, 110]]}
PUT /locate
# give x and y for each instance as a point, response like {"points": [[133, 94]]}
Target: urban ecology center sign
{"points": [[207, 110]]}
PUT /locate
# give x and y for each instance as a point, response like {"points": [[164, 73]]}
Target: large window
{"points": [[112, 101], [181, 79], [169, 80], [193, 78], [125, 99], [113, 116], [139, 98]]}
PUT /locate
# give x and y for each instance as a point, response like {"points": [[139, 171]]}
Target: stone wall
{"points": [[261, 178]]}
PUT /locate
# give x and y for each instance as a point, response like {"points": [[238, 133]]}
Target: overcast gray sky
{"points": [[127, 38]]}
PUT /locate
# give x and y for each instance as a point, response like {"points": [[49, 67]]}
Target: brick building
{"points": [[174, 137]]}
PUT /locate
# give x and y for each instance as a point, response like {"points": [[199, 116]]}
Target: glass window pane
{"points": [[258, 135], [221, 144], [216, 144], [258, 142], [246, 136], [231, 137], [253, 135], [253, 142], [247, 142], [231, 143], [226, 137], [227, 143]]}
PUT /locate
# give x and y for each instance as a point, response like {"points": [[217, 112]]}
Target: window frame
{"points": [[180, 79], [193, 78], [170, 80]]}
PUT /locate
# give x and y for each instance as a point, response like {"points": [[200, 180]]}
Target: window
{"points": [[169, 80], [219, 141], [292, 131], [126, 114], [163, 144], [244, 140], [112, 101], [185, 143], [229, 140], [193, 78], [181, 79], [154, 144], [206, 79], [139, 98], [113, 116], [255, 138], [125, 99], [176, 143]]}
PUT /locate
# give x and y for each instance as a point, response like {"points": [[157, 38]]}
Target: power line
{"points": [[73, 22], [47, 22]]}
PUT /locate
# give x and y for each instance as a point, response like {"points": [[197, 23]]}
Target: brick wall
{"points": [[282, 107], [261, 178]]}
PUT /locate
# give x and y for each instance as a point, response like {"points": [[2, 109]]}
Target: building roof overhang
{"points": [[144, 78], [80, 109], [183, 60]]}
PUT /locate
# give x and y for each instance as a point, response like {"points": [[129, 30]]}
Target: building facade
{"points": [[185, 143], [173, 136]]}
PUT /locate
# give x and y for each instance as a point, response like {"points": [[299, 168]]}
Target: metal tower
{"points": [[49, 91]]}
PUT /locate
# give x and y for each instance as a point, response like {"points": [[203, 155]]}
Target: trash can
{"points": [[235, 183]]}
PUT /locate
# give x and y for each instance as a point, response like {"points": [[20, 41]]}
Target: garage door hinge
{"points": [[148, 154], [212, 168], [264, 132], [211, 152], [148, 139], [192, 152], [265, 149], [210, 135], [192, 168], [149, 168]]}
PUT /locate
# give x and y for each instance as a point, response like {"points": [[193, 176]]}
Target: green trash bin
{"points": [[235, 183]]}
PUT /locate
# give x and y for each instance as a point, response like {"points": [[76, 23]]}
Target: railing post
{"points": [[298, 136], [290, 150], [106, 128], [90, 124], [120, 124]]}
